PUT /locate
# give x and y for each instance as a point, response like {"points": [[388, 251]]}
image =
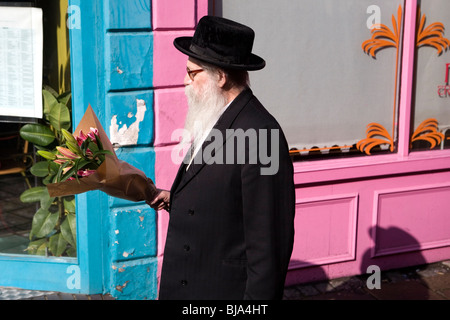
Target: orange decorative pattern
{"points": [[432, 36], [374, 130], [382, 37], [428, 131]]}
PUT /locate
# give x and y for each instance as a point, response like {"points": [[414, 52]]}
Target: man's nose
{"points": [[187, 80]]}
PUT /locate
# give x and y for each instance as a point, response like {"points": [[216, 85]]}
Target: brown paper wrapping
{"points": [[114, 177]]}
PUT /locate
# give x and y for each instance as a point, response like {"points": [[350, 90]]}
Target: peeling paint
{"points": [[119, 71], [125, 254], [127, 135], [120, 288], [116, 231]]}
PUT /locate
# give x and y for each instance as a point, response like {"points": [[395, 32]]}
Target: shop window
{"points": [[30, 223], [332, 73], [430, 127]]}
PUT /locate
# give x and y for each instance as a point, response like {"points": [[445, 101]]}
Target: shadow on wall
{"points": [[393, 248]]}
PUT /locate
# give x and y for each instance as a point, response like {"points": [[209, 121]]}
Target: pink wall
{"points": [[171, 19], [388, 210]]}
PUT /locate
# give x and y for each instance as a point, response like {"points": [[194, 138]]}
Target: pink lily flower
{"points": [[85, 173], [80, 138], [59, 161], [89, 153], [93, 133], [67, 153], [66, 169]]}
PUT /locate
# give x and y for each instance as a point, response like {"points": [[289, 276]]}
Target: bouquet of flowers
{"points": [[82, 157], [88, 162]]}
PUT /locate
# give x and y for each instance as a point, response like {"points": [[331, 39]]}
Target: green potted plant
{"points": [[53, 230]]}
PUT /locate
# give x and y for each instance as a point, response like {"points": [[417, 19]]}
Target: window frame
{"points": [[403, 160], [83, 274]]}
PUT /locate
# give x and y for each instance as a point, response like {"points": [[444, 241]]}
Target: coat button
{"points": [[191, 212], [183, 283], [186, 248]]}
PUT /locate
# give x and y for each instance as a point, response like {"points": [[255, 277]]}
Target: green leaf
{"points": [[42, 249], [49, 100], [70, 173], [100, 155], [65, 97], [48, 179], [40, 169], [71, 252], [46, 155], [93, 147], [68, 229], [34, 194], [48, 88], [59, 175], [74, 148], [69, 137], [34, 245], [46, 202], [99, 142], [57, 244], [37, 133], [53, 168], [69, 204], [43, 223], [59, 116]]}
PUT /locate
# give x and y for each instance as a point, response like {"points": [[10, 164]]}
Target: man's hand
{"points": [[161, 201]]}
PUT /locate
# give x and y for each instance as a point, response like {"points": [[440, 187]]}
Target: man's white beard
{"points": [[204, 110]]}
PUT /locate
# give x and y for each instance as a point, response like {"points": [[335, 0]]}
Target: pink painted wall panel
{"points": [[325, 230], [202, 8], [174, 14], [169, 65], [170, 112], [171, 19], [165, 171], [165, 166], [423, 212]]}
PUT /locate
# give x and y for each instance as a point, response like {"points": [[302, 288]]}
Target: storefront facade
{"points": [[360, 89]]}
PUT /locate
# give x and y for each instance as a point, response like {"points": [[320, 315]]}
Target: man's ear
{"points": [[222, 78]]}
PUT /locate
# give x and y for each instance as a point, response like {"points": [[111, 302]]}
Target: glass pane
{"points": [[321, 83], [15, 216], [30, 221], [431, 116]]}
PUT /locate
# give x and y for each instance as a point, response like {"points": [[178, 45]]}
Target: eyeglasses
{"points": [[193, 73]]}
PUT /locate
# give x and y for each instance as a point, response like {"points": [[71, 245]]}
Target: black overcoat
{"points": [[230, 233]]}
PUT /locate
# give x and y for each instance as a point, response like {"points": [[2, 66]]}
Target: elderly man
{"points": [[230, 232]]}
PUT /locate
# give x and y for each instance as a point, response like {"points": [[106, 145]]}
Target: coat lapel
{"points": [[225, 122]]}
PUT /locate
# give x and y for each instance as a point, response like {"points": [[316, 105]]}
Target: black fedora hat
{"points": [[222, 42]]}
